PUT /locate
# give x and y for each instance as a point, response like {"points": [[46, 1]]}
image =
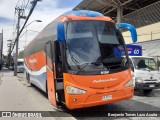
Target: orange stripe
{"points": [[82, 17], [36, 61]]}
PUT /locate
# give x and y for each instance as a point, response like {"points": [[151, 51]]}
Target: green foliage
{"points": [[21, 54]]}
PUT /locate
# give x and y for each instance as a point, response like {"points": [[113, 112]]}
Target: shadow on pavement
{"points": [[5, 70], [154, 93], [38, 90]]}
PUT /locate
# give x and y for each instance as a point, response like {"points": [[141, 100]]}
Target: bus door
{"points": [[50, 74]]}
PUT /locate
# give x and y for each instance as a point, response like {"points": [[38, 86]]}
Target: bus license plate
{"points": [[151, 86], [107, 97]]}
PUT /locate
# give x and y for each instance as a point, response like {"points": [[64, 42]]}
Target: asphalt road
{"points": [[34, 99]]}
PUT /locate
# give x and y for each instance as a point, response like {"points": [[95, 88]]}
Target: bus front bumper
{"points": [[79, 101]]}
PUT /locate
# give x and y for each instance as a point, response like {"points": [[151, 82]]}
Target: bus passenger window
{"points": [[49, 56]]}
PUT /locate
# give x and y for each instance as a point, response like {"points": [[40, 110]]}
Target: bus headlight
{"points": [[73, 90], [139, 80], [130, 83]]}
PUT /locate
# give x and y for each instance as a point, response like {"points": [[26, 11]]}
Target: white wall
{"points": [[145, 33]]}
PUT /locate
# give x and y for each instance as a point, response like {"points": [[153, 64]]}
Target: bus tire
{"points": [[29, 81], [47, 90], [147, 91], [26, 76]]}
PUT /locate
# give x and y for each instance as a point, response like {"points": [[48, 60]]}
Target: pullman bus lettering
{"points": [[74, 51], [107, 80]]}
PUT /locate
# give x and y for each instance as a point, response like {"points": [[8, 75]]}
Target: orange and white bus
{"points": [[80, 60]]}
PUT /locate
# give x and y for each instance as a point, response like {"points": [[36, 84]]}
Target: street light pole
{"points": [[32, 22], [27, 30]]}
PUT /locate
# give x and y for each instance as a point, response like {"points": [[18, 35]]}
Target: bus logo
{"points": [[104, 72], [32, 60]]}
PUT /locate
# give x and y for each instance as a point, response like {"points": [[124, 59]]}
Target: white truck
{"points": [[145, 70], [20, 65]]}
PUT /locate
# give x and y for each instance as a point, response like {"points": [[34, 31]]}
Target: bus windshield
{"points": [[144, 64], [94, 46]]}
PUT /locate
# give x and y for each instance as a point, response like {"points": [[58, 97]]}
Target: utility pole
{"points": [[1, 49], [34, 3], [9, 56], [2, 44], [17, 38]]}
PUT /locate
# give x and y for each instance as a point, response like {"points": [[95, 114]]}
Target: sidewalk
{"points": [[14, 96], [17, 95]]}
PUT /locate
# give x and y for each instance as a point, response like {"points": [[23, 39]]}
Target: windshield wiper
{"points": [[95, 63], [83, 67], [75, 62], [98, 61]]}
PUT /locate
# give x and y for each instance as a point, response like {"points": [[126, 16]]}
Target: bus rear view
{"points": [[89, 61]]}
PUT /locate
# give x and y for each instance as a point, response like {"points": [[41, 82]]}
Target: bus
{"points": [[77, 60]]}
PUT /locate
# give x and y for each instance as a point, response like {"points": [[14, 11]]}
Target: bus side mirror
{"points": [[60, 32], [131, 28]]}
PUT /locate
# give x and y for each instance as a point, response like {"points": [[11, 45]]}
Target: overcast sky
{"points": [[46, 11]]}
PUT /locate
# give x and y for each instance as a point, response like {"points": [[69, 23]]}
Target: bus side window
{"points": [[49, 56], [58, 60]]}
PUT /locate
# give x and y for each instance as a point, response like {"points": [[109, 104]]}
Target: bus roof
{"points": [[83, 15], [84, 12]]}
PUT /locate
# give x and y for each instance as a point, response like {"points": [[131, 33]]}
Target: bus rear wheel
{"points": [[28, 78]]}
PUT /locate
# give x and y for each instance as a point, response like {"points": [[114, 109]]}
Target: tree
{"points": [[21, 54]]}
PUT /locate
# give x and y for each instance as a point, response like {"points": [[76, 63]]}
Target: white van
{"points": [[145, 73], [20, 65]]}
